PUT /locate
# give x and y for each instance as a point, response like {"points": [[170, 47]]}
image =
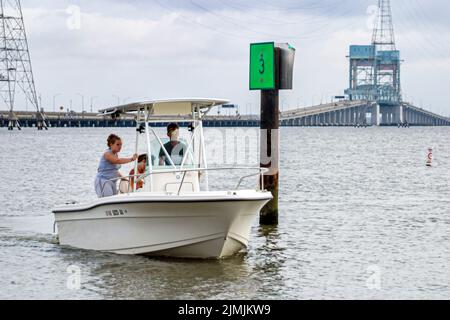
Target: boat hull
{"points": [[206, 227]]}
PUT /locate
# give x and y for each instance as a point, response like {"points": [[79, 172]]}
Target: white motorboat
{"points": [[174, 214]]}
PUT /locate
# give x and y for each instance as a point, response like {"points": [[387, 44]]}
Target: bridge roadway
{"points": [[362, 113], [342, 113], [63, 119]]}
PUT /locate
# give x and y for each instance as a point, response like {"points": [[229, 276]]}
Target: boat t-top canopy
{"points": [[185, 107]]}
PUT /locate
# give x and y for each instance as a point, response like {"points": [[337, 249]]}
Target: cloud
{"points": [[168, 48]]}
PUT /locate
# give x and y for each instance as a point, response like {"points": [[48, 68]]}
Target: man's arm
{"points": [[162, 157]]}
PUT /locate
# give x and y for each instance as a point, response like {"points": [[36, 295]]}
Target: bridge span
{"points": [[343, 113], [89, 120], [362, 113]]}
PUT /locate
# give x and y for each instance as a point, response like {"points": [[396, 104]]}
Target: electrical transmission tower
{"points": [[383, 33], [375, 68], [387, 62], [15, 62]]}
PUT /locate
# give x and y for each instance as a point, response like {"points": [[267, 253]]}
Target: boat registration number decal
{"points": [[116, 213]]}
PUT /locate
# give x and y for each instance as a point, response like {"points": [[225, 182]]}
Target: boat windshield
{"points": [[172, 148], [179, 153]]}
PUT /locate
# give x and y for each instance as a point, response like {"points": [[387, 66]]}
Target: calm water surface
{"points": [[362, 217]]}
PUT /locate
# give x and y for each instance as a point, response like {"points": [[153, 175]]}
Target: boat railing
{"points": [[141, 177]]}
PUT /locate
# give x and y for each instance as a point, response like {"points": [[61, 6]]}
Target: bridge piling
{"points": [[269, 152]]}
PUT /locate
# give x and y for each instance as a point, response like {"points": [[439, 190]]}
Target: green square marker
{"points": [[262, 66]]}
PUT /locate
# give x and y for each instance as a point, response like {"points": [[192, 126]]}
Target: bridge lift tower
{"points": [[375, 70], [15, 62]]}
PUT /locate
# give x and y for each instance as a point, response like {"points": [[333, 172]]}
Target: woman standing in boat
{"points": [[109, 167]]}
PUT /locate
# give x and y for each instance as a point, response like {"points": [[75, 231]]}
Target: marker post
{"points": [[271, 70]]}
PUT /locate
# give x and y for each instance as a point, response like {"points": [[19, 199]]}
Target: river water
{"points": [[361, 217]]}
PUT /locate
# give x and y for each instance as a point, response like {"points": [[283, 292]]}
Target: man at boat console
{"points": [[175, 148]]}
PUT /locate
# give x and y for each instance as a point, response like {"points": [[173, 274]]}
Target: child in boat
{"points": [[142, 164]]}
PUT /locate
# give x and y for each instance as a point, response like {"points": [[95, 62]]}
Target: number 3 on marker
{"points": [[262, 67]]}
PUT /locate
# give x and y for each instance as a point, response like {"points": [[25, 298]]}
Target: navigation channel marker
{"points": [[262, 66]]}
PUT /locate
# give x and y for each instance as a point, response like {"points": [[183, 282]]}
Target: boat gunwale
{"points": [[179, 200]]}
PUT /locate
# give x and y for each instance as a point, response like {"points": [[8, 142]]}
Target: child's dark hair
{"points": [[142, 157], [112, 139]]}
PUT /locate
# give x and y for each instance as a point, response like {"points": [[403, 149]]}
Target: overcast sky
{"points": [[173, 48]]}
